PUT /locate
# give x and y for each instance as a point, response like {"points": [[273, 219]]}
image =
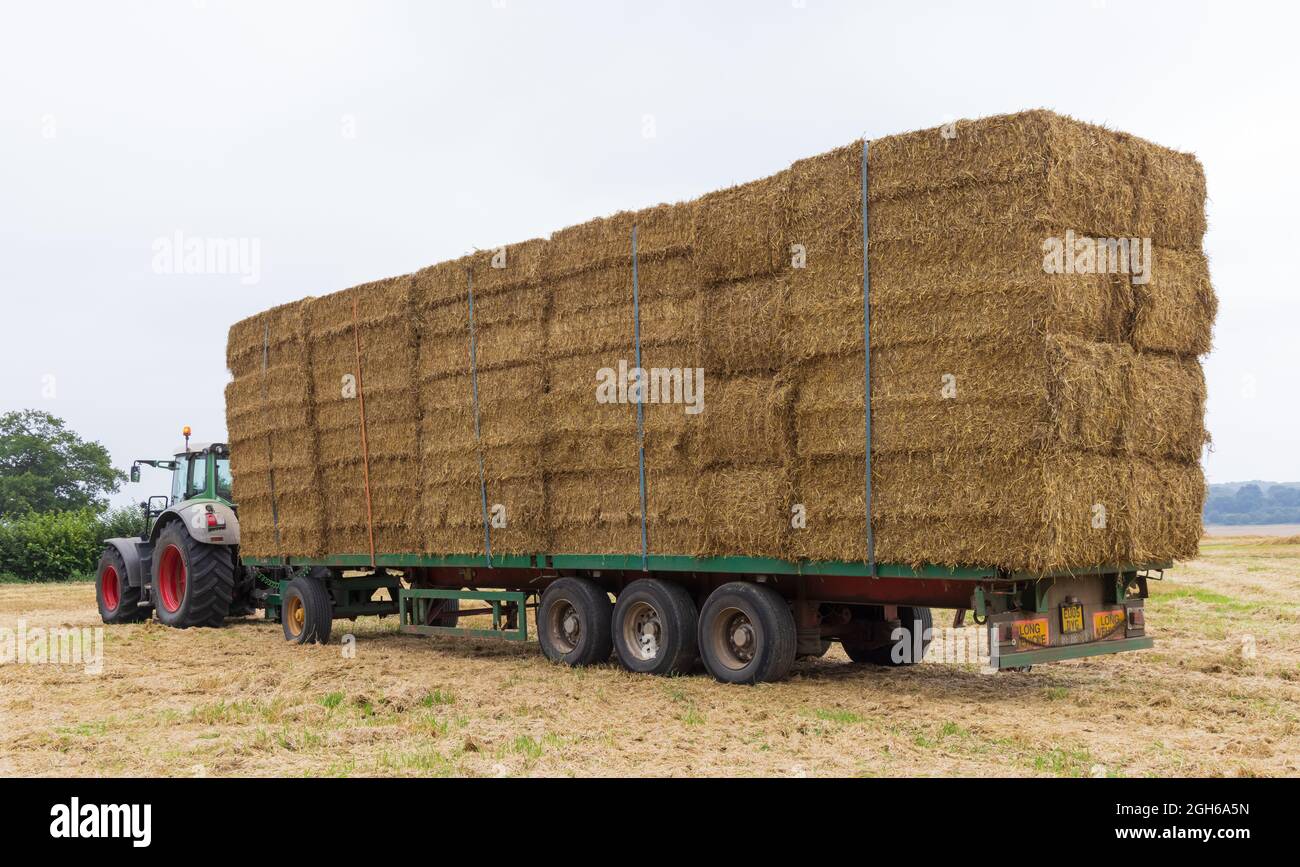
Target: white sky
{"points": [[481, 122]]}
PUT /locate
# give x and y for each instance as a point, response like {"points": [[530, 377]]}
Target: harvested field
{"points": [[239, 701]]}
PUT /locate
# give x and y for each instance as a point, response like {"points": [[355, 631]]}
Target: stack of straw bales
{"points": [[273, 446], [1021, 418]]}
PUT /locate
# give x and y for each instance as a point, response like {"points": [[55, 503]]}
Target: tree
{"points": [[44, 467]]}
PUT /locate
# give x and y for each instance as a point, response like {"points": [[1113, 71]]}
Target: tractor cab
{"points": [[200, 474]]}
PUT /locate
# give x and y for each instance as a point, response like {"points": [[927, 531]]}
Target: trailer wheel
{"points": [[747, 634], [863, 653], [573, 622], [193, 583], [655, 628], [119, 602], [306, 611]]}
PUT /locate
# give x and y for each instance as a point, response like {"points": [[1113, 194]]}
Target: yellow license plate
{"points": [[1107, 623], [1032, 631], [1071, 618]]}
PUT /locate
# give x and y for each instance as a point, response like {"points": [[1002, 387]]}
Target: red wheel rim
{"points": [[110, 588], [171, 578]]}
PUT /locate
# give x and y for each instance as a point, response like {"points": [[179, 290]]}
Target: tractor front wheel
{"points": [[192, 582], [119, 602]]}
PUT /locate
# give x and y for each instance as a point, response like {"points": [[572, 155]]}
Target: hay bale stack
{"points": [[1024, 416], [376, 314], [510, 315], [450, 515], [274, 458]]}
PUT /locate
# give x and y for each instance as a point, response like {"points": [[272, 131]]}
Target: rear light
{"points": [[215, 523], [1136, 618]]}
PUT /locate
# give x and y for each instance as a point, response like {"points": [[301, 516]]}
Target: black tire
{"points": [[655, 628], [764, 621], [119, 602], [908, 616], [573, 622], [193, 583], [306, 611]]}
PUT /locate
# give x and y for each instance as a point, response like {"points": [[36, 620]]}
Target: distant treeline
{"points": [[1253, 503]]}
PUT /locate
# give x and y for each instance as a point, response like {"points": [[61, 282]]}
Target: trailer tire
{"points": [[656, 628], [574, 621], [868, 655], [193, 583], [747, 634], [306, 612], [118, 601]]}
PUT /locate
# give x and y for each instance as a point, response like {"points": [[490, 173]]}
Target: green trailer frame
{"points": [[983, 583]]}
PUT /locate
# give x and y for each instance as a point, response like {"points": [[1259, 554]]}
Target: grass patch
{"points": [[836, 715], [436, 698]]}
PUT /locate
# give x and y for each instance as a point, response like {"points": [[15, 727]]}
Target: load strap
{"points": [[640, 404], [365, 444], [866, 342], [478, 436]]}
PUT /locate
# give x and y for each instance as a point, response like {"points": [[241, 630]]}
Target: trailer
{"points": [[745, 619]]}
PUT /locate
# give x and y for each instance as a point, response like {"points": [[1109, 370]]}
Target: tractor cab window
{"points": [[198, 476], [180, 479], [225, 480]]}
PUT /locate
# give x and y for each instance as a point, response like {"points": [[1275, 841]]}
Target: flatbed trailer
{"points": [[745, 618]]}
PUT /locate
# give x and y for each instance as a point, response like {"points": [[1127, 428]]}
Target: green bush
{"points": [[61, 546]]}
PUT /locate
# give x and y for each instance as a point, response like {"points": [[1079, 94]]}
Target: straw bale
{"points": [[1168, 497], [746, 509], [1171, 196], [738, 231], [442, 284], [512, 267], [604, 242], [740, 325], [1175, 311], [747, 420], [1165, 401]]}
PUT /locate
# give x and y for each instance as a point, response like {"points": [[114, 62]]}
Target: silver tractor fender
{"points": [[194, 515], [133, 556]]}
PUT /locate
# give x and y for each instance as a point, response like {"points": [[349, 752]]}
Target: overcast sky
{"points": [[353, 141]]}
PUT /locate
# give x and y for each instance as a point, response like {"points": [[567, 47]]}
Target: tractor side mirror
{"points": [[135, 473]]}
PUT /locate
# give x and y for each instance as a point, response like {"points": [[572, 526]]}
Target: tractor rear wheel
{"points": [[192, 582], [119, 602], [306, 611]]}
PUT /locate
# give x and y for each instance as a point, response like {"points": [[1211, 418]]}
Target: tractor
{"points": [[185, 565]]}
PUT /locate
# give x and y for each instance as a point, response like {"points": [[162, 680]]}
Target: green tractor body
{"points": [[185, 566]]}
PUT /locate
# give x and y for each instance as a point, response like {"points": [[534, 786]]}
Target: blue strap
{"points": [[478, 438], [640, 404], [866, 341]]}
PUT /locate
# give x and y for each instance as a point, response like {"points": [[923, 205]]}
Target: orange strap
{"points": [[365, 447]]}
